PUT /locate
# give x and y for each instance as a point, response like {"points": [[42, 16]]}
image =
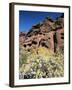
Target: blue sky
{"points": [[28, 18]]}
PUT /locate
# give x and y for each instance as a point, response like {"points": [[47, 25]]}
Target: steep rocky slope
{"points": [[48, 33], [41, 50]]}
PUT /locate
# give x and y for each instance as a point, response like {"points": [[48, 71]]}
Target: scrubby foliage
{"points": [[40, 63]]}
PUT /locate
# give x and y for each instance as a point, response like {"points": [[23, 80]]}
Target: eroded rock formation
{"points": [[49, 34]]}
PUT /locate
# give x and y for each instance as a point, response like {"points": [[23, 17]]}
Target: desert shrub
{"points": [[44, 64], [22, 56]]}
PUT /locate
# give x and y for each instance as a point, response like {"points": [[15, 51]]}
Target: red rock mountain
{"points": [[48, 33]]}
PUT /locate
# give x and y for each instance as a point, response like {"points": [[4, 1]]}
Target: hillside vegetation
{"points": [[41, 50]]}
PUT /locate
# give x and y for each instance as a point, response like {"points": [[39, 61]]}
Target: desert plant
{"points": [[45, 64]]}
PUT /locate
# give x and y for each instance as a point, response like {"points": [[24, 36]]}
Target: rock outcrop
{"points": [[22, 38], [49, 34]]}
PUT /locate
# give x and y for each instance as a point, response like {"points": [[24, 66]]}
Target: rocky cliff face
{"points": [[41, 50], [48, 34]]}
